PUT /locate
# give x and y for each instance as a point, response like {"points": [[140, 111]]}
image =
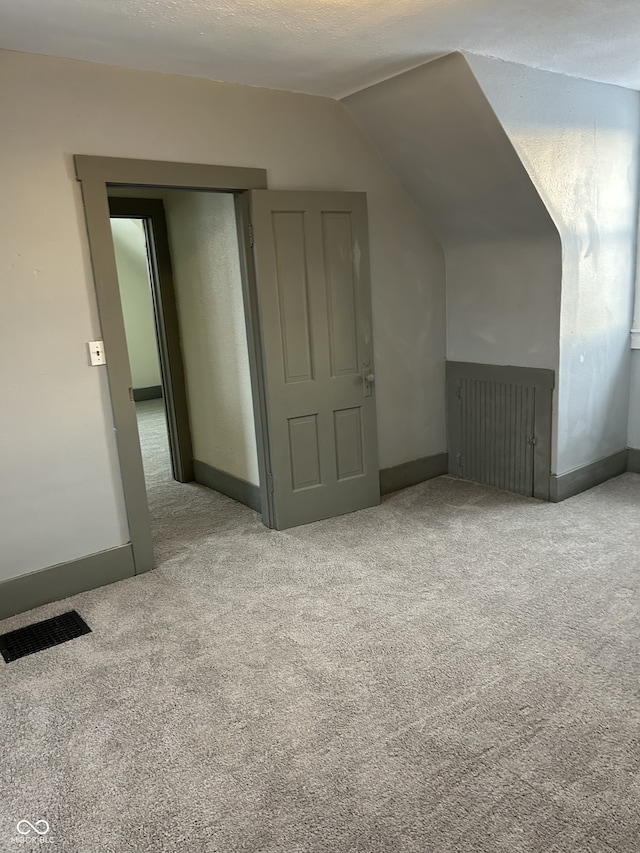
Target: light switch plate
{"points": [[96, 351]]}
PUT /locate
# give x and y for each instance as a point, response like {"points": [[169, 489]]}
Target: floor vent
{"points": [[42, 635]]}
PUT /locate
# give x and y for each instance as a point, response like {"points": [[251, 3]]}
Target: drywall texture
{"points": [[61, 493], [129, 243], [437, 131], [324, 46], [206, 268], [579, 142]]}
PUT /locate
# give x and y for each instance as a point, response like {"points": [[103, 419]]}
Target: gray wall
{"points": [[579, 142], [130, 246], [61, 495], [206, 267]]}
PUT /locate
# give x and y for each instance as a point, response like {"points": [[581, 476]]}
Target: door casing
{"points": [[95, 175]]}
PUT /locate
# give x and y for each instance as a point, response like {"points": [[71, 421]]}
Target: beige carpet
{"points": [[455, 670]]}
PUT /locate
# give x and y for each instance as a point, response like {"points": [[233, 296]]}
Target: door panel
{"points": [[349, 444], [291, 281], [313, 292], [337, 243], [304, 451]]}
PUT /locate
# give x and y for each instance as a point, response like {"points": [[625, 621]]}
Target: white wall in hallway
{"points": [[206, 267], [130, 245]]}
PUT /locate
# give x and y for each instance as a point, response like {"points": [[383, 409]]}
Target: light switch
{"points": [[96, 351]]}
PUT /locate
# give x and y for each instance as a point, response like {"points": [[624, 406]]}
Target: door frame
{"points": [[95, 174], [174, 391]]}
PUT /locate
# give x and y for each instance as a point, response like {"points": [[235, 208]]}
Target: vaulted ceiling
{"points": [[329, 47]]}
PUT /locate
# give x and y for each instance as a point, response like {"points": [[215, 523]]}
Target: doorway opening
{"points": [[180, 284], [100, 176]]}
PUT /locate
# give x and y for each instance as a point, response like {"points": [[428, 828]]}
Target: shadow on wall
{"points": [[436, 129]]}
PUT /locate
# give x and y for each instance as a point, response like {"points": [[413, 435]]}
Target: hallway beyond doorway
{"points": [[181, 513]]}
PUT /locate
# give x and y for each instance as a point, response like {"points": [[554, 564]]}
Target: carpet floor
{"points": [[456, 670]]}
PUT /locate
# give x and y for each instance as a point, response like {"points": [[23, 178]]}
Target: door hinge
{"points": [[459, 391], [270, 482], [459, 460], [251, 234], [532, 440]]}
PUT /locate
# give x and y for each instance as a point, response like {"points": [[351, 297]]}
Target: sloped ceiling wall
{"points": [[530, 181], [437, 131], [579, 142]]}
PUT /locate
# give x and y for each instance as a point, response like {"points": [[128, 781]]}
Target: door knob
{"points": [[368, 382]]}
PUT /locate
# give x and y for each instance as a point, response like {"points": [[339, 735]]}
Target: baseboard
{"points": [[633, 460], [233, 487], [153, 392], [28, 591], [588, 476], [411, 473]]}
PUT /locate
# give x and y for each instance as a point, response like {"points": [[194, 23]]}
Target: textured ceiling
{"points": [[329, 47]]}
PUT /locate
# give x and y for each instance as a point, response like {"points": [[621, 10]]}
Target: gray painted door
{"points": [[312, 277]]}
